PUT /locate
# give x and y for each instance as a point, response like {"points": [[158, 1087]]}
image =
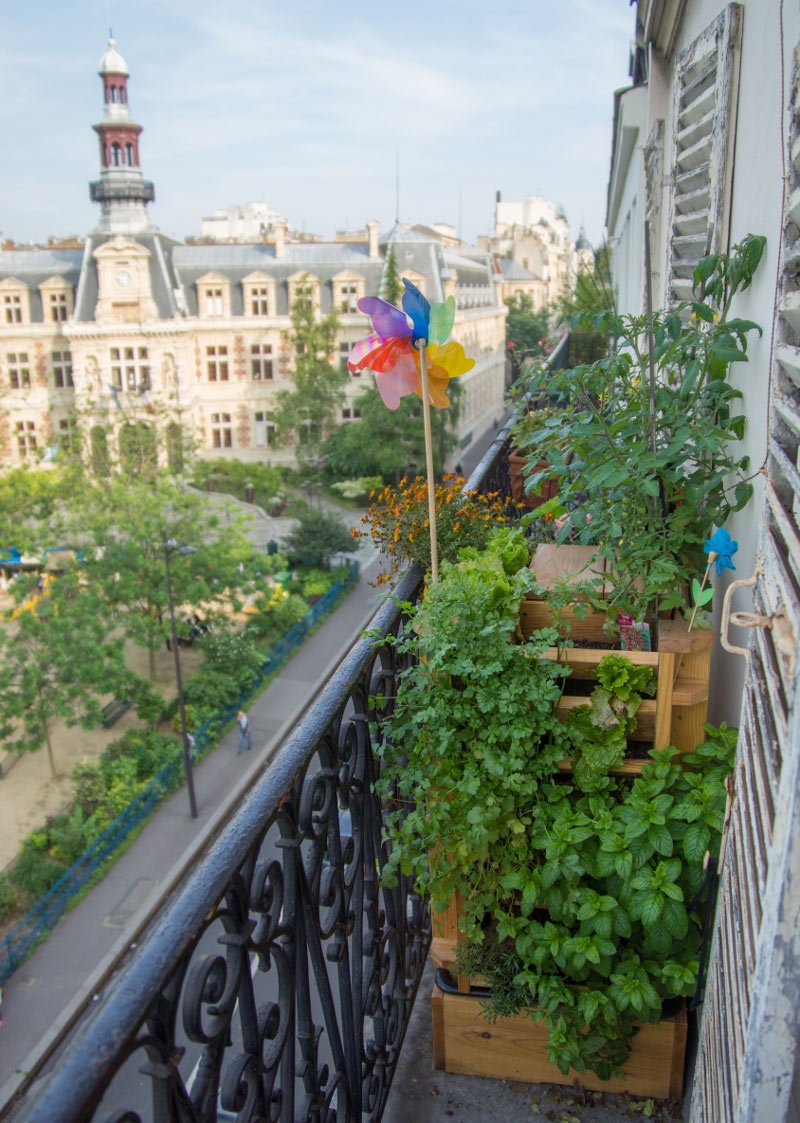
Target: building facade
{"points": [[138, 337], [533, 250]]}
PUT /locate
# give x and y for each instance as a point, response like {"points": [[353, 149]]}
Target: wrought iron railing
{"points": [[279, 983]]}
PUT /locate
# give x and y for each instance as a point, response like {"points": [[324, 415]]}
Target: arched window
{"points": [[123, 97], [116, 155], [129, 154], [113, 92], [105, 155]]}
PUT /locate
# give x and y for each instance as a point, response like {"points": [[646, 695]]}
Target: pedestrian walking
{"points": [[245, 734]]}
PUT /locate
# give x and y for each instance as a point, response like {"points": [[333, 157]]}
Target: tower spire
{"points": [[121, 191]]}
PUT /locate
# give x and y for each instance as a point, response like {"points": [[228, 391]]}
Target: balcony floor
{"points": [[422, 1095]]}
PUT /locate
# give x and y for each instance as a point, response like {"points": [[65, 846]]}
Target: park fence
{"points": [[17, 944]]}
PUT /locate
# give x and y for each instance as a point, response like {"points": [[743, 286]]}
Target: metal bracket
{"points": [[740, 619]]}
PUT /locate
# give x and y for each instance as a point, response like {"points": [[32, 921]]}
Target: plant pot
{"points": [[515, 1048], [517, 463], [681, 663]]}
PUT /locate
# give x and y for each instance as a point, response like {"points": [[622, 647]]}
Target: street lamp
{"points": [[171, 547]]}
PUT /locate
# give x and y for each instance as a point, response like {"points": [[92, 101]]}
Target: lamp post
{"points": [[171, 547]]}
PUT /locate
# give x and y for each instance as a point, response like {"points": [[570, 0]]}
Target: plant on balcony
{"points": [[577, 892], [397, 520], [648, 450]]}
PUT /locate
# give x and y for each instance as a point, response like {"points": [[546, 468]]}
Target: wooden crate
{"points": [[515, 1048], [682, 663]]}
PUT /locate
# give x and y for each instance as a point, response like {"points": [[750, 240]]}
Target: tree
{"points": [[57, 662], [310, 410], [316, 537], [392, 289], [526, 327], [128, 523], [29, 500], [388, 443]]}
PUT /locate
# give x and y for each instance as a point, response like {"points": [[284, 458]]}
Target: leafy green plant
{"points": [[8, 897], [599, 732], [651, 460], [593, 925], [578, 893]]}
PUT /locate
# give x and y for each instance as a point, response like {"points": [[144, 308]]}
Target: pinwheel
{"points": [[720, 548], [409, 353]]}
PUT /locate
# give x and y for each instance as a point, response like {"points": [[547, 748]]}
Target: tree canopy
{"points": [[309, 411]]}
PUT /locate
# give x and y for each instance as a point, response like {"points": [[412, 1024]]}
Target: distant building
{"points": [[135, 336], [534, 251], [252, 222]]}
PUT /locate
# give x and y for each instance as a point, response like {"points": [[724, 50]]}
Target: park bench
{"points": [[114, 710]]}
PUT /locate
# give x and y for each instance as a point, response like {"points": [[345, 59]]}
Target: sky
{"points": [[309, 105]]}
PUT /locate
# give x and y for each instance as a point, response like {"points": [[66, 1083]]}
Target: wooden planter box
{"points": [[515, 1048], [682, 663]]}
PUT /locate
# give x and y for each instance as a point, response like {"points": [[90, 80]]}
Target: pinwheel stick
{"points": [[711, 557], [426, 421]]}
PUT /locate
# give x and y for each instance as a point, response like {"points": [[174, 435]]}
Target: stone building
{"points": [[534, 251], [138, 337]]}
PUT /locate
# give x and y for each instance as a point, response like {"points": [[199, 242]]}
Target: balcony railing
{"points": [[279, 983]]}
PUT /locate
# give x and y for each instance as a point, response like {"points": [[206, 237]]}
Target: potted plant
{"points": [[644, 444], [574, 893]]}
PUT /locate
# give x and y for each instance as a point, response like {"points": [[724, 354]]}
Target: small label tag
{"points": [[634, 634]]}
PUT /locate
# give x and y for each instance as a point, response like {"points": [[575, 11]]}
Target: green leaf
{"points": [[695, 842]]}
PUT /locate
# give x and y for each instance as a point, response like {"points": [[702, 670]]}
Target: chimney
{"points": [[372, 237], [280, 239]]}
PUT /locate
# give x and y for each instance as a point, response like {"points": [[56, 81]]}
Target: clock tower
{"points": [[121, 191]]}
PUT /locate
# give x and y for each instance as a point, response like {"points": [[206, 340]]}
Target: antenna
{"points": [[397, 186]]}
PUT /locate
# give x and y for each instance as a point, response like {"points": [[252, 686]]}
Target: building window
{"points": [[351, 414], [344, 355], [116, 155], [261, 361], [58, 307], [214, 302], [348, 298], [26, 438], [221, 431], [259, 301], [130, 368], [19, 373], [12, 304], [264, 429], [67, 435], [217, 364], [129, 153], [62, 370]]}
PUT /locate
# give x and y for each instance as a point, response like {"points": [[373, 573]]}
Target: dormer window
{"points": [[258, 292], [348, 288], [12, 306], [213, 297], [302, 286], [56, 300], [13, 302]]}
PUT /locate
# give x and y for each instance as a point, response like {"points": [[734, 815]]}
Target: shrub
{"points": [[317, 537], [8, 897], [35, 870], [70, 835], [89, 785], [233, 654], [148, 750]]}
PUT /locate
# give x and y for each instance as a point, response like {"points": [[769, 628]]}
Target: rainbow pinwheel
{"points": [[392, 352]]}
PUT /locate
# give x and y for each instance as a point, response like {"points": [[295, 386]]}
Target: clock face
{"points": [[123, 278]]}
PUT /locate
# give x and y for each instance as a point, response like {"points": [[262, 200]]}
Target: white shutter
{"points": [[747, 1069], [703, 109]]}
